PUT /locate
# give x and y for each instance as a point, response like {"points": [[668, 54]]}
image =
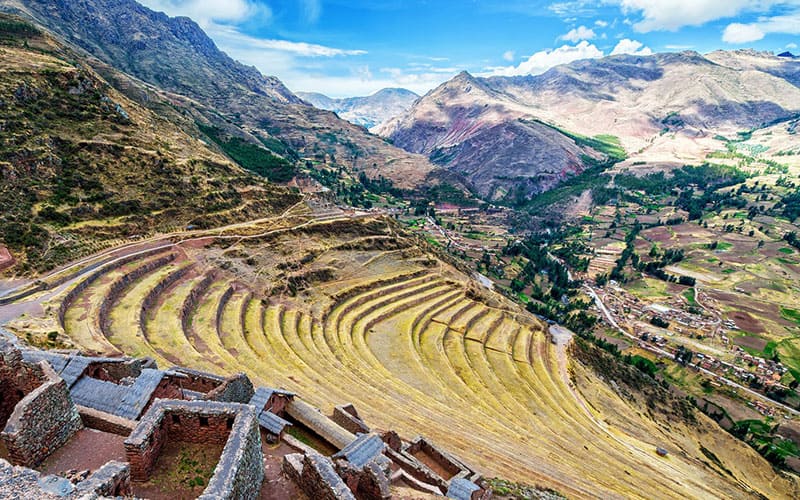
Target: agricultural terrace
{"points": [[346, 309]]}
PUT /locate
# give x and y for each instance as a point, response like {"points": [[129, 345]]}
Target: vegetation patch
{"points": [[791, 314], [251, 157]]}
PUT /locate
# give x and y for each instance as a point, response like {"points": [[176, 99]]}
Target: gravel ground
{"points": [[88, 449]]}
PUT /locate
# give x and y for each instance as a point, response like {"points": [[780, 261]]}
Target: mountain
{"points": [[82, 166], [369, 111], [174, 56], [660, 108], [474, 130]]}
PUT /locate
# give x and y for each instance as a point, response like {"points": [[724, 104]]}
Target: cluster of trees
{"points": [[552, 291], [683, 355], [789, 206], [791, 238], [381, 185], [251, 157], [762, 436]]}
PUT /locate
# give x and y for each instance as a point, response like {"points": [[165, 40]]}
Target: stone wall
{"points": [[115, 371], [111, 480], [236, 389], [442, 458], [106, 422], [197, 381], [240, 470], [17, 378], [320, 481], [42, 421], [347, 417], [370, 482]]}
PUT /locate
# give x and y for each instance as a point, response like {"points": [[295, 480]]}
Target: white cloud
{"points": [[744, 33], [233, 41], [791, 46], [671, 15], [600, 23], [508, 55], [543, 60], [678, 47], [204, 12], [632, 47], [577, 34]]}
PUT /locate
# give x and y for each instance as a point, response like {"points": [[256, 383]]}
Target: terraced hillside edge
{"points": [[362, 314]]}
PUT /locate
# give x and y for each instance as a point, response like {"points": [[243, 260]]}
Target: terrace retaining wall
{"points": [[70, 297], [122, 283], [152, 296]]}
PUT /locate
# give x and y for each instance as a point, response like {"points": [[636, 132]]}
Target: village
{"points": [[698, 337]]}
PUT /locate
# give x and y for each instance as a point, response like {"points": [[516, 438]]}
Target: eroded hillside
{"points": [[175, 56], [83, 167]]}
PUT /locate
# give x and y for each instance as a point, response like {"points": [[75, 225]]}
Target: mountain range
{"points": [[507, 133], [370, 111], [174, 57]]}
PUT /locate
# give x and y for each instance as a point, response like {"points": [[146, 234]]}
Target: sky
{"points": [[348, 48]]}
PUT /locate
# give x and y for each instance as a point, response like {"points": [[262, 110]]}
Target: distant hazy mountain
{"points": [[662, 108], [367, 111]]}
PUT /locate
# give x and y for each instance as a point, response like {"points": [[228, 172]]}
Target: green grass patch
{"points": [[786, 250], [769, 349], [728, 271], [784, 260], [724, 246], [689, 295], [433, 241], [607, 144], [791, 314]]}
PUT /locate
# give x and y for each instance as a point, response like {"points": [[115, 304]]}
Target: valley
{"points": [[371, 320], [582, 282]]}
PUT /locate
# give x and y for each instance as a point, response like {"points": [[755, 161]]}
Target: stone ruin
{"points": [[47, 397], [240, 470], [37, 414]]}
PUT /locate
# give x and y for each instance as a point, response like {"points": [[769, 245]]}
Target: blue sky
{"points": [[356, 47]]}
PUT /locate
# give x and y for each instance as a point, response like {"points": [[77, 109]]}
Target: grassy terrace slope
{"points": [[345, 309]]}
